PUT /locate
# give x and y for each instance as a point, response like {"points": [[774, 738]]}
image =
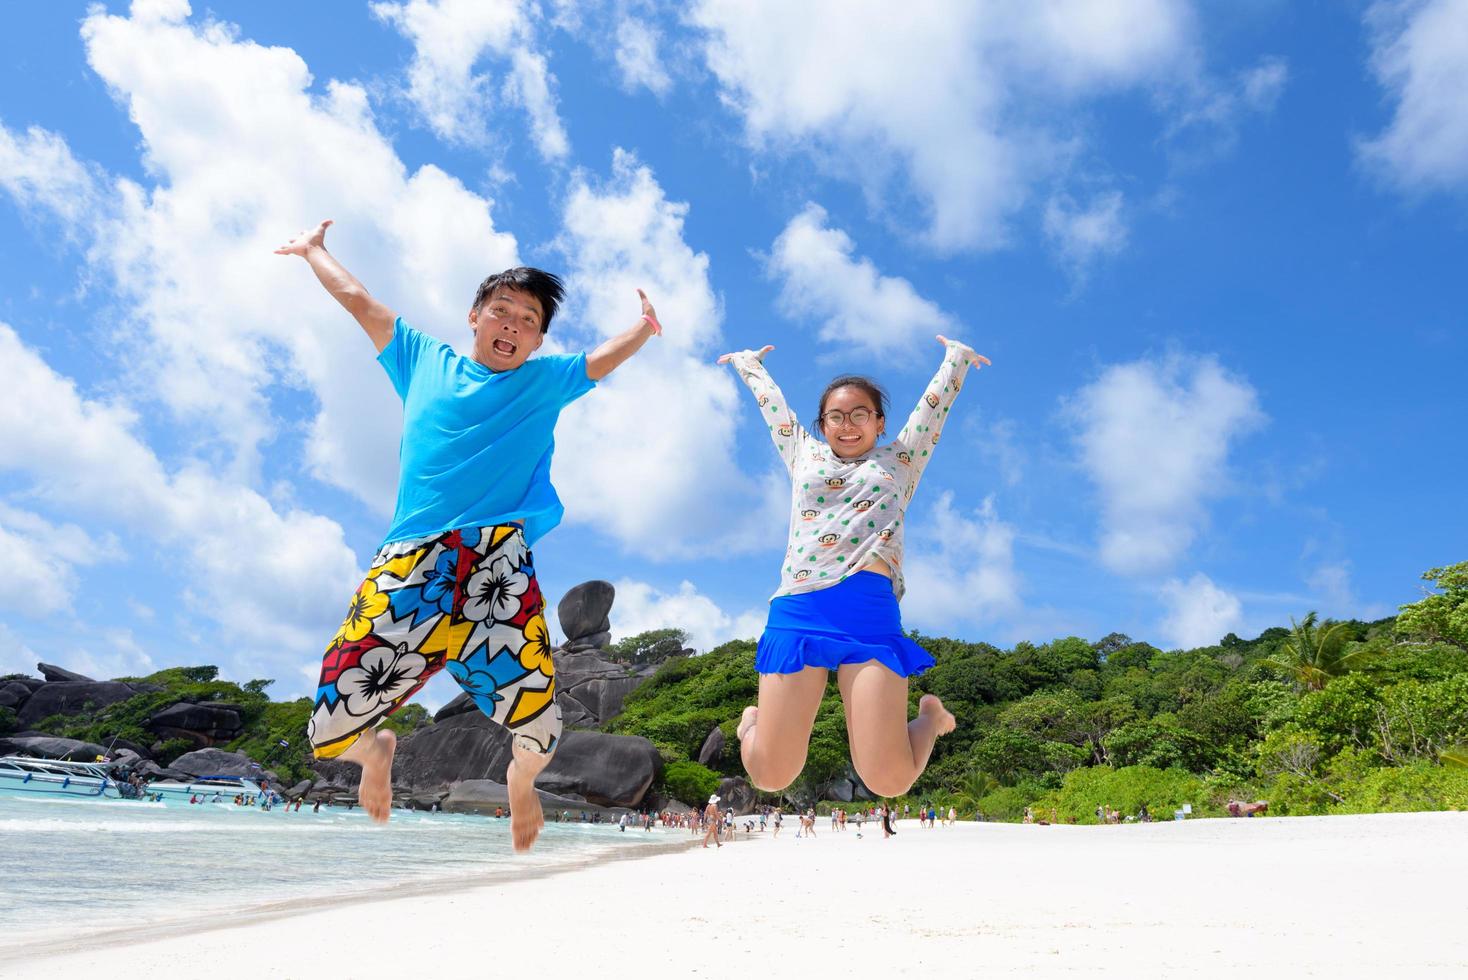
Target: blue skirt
{"points": [[852, 622]]}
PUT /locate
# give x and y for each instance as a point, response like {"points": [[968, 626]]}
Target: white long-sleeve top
{"points": [[845, 512]]}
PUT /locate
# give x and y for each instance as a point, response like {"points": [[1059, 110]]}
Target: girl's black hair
{"points": [[544, 286], [873, 390]]}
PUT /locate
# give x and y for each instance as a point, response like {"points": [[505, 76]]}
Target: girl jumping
{"points": [[836, 608]]}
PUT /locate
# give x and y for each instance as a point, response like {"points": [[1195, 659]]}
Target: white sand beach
{"points": [[1350, 896]]}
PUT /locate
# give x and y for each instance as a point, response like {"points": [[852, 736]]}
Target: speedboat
{"points": [[22, 775], [208, 789]]}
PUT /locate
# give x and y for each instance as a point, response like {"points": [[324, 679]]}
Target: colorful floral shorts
{"points": [[466, 600]]}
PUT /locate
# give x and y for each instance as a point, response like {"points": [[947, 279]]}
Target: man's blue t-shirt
{"points": [[476, 444]]}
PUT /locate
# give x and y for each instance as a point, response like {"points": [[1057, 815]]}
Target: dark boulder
{"points": [[53, 673], [841, 790], [13, 694], [206, 724], [713, 747], [592, 690], [31, 683], [464, 746], [333, 776], [736, 794], [151, 771], [585, 610], [49, 747], [608, 770], [217, 762], [593, 642], [460, 704], [483, 795], [300, 789], [71, 698], [118, 746]]}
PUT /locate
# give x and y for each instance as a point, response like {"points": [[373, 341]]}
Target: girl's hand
{"points": [[726, 358], [972, 354]]}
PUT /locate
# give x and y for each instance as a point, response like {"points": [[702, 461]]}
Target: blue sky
{"points": [[1214, 253]]}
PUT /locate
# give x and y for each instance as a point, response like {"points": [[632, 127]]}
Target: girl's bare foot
{"points": [[930, 705], [374, 752], [747, 721], [526, 816]]}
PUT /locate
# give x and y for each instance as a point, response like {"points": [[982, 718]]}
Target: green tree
{"points": [[1314, 652], [1444, 615], [1158, 742], [690, 782], [652, 647]]}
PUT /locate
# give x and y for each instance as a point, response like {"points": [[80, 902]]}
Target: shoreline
{"points": [[118, 937], [1332, 896]]}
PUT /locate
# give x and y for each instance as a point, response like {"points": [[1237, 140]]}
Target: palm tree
{"points": [[1313, 655], [972, 788], [1456, 755]]}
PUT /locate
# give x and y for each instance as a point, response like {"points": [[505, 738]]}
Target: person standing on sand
{"points": [[837, 605], [887, 829], [778, 818], [711, 821], [453, 585]]}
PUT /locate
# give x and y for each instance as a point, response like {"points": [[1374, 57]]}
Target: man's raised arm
{"points": [[605, 359], [374, 317]]}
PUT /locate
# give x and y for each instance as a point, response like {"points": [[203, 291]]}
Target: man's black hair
{"points": [[544, 286], [871, 388]]}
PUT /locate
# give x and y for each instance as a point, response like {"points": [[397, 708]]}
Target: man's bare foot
{"points": [[931, 705], [374, 752], [747, 721], [526, 816]]}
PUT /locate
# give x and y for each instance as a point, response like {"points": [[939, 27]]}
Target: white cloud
{"points": [[641, 607], [1207, 114], [1420, 57], [272, 581], [1154, 437], [39, 172], [1199, 613], [855, 304], [648, 458], [961, 100], [41, 560], [449, 38], [1079, 234], [637, 56], [16, 656], [960, 568], [224, 197], [1000, 443]]}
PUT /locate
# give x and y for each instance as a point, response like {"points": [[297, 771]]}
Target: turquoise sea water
{"points": [[70, 867]]}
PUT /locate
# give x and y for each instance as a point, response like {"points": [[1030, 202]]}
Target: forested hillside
{"points": [[1314, 717]]}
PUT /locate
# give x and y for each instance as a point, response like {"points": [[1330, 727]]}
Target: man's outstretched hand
{"points": [[650, 315], [315, 237]]}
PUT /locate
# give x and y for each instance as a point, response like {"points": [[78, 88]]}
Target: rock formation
{"points": [[71, 698], [713, 747], [205, 724]]}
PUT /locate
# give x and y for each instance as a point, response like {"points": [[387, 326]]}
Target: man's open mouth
{"points": [[502, 346]]}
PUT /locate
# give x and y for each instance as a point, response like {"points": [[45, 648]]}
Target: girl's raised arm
{"points": [[919, 436], [785, 429]]}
